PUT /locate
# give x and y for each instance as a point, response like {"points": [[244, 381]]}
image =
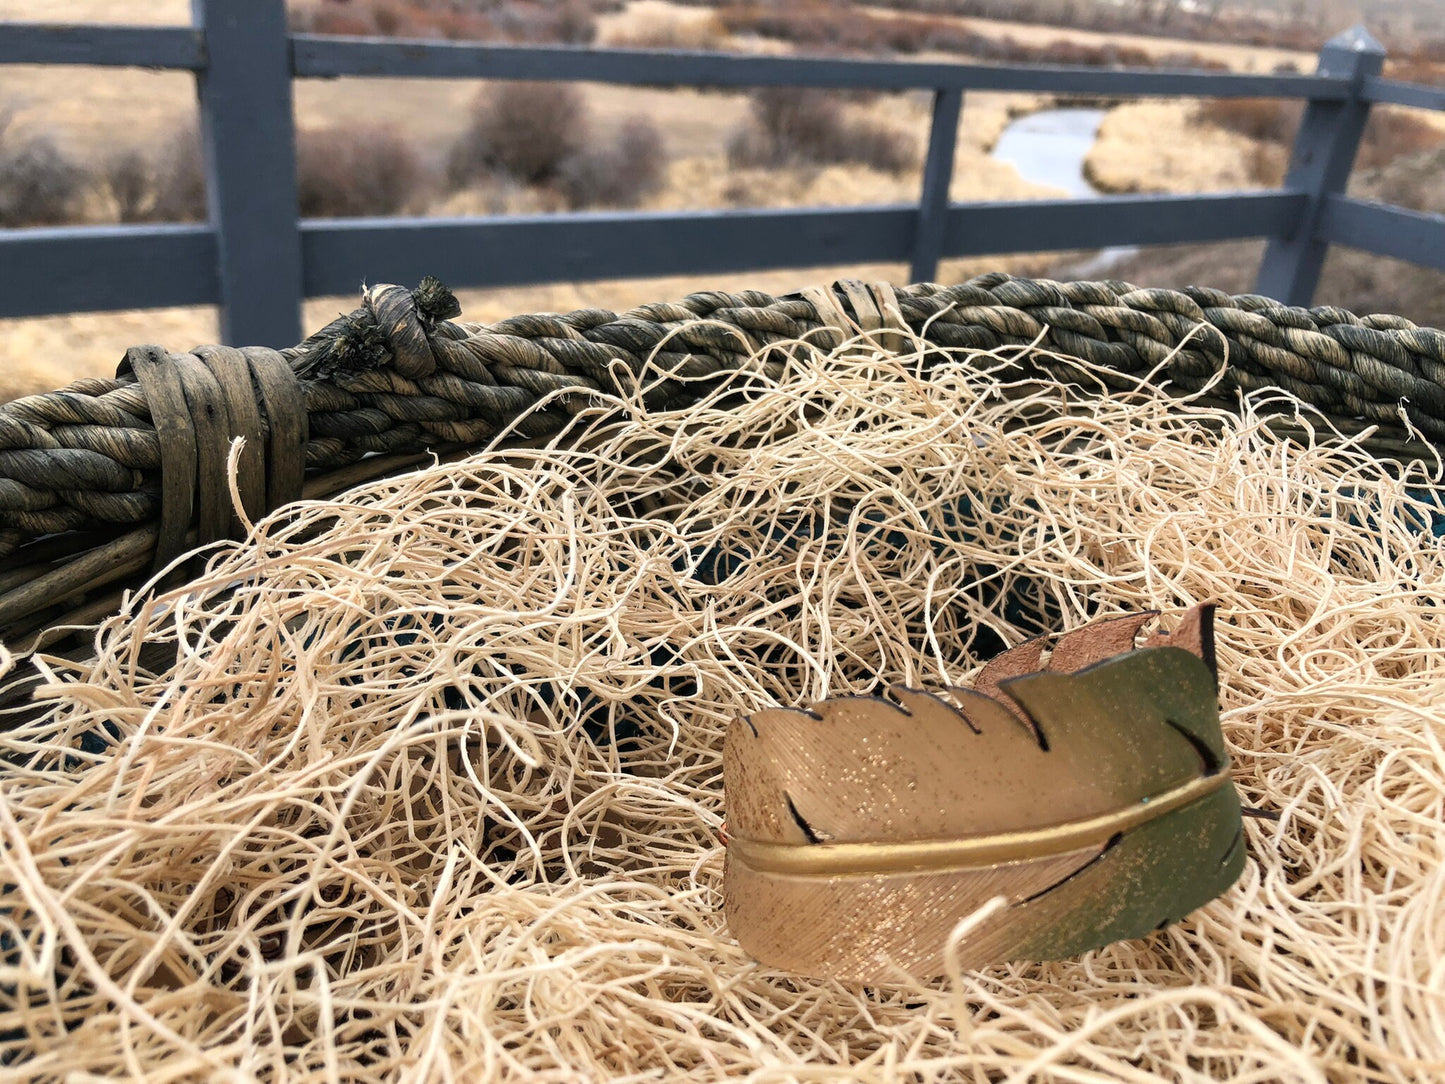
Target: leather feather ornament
{"points": [[1090, 792]]}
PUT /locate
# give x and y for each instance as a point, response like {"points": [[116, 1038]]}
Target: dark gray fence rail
{"points": [[256, 258]]}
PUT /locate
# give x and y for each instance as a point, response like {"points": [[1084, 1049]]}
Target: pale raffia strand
{"points": [[430, 788]]}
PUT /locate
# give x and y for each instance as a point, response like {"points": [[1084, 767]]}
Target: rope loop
{"points": [[199, 404]]}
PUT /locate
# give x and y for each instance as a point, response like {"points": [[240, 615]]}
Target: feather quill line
{"points": [[939, 855]]}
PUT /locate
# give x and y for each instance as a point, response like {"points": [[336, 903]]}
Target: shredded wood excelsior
{"points": [[429, 786]]}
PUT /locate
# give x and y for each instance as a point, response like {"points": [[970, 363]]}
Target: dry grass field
{"points": [[1149, 146], [1187, 154], [129, 12], [1246, 58], [1357, 280]]}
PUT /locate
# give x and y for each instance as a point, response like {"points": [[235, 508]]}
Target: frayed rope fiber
{"points": [[428, 785]]}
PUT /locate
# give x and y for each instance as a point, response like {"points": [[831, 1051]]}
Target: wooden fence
{"points": [[257, 258]]}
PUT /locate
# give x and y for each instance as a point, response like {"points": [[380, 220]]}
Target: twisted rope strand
{"points": [[400, 375]]}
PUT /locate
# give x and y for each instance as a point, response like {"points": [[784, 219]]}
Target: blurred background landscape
{"points": [[90, 145]]}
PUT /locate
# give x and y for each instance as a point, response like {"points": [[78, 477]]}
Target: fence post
{"points": [[248, 134], [1320, 164], [937, 176]]}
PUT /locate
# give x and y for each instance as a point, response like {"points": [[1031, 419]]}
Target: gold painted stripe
{"points": [[937, 855]]}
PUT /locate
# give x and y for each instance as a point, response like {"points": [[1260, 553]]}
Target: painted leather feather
{"points": [[1091, 792]]}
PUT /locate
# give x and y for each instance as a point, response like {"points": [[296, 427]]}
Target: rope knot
{"points": [[393, 326]]}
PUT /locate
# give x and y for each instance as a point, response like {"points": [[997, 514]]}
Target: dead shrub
{"points": [[340, 172], [1389, 134], [41, 184], [648, 31], [351, 172], [1206, 22], [331, 18], [621, 173], [824, 26], [1081, 54], [1412, 71], [805, 23], [1268, 119], [749, 147], [806, 126], [800, 120], [569, 23], [523, 130], [128, 177], [1416, 182], [167, 185], [1393, 133], [572, 21], [879, 148], [1182, 59], [830, 26], [1267, 163], [180, 179]]}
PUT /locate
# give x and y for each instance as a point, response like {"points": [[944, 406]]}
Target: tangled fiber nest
{"points": [[427, 785]]}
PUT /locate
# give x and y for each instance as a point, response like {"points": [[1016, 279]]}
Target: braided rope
{"points": [[400, 375]]}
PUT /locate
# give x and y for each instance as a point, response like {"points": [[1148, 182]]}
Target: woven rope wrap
{"points": [[201, 402], [399, 375]]}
